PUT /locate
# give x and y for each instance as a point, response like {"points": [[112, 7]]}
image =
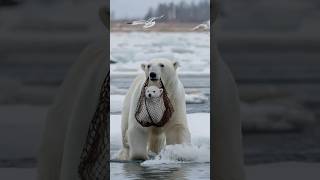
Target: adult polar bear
{"points": [[136, 139]]}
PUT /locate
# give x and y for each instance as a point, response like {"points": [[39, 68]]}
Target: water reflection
{"points": [[133, 171]]}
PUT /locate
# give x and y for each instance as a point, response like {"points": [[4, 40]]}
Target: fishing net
{"points": [[154, 111], [94, 160]]}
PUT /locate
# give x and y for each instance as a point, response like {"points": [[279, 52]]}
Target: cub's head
{"points": [[153, 92], [163, 69]]}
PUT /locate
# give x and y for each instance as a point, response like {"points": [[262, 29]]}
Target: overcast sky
{"points": [[136, 8]]}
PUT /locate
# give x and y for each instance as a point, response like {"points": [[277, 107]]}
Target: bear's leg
{"points": [[138, 139], [156, 141], [178, 134], [123, 154]]}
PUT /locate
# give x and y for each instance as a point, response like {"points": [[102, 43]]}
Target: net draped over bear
{"points": [[154, 111]]}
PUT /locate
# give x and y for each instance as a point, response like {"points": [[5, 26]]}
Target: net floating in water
{"points": [[154, 111]]}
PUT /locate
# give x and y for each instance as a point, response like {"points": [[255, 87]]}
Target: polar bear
{"points": [[138, 140], [153, 106], [153, 92]]}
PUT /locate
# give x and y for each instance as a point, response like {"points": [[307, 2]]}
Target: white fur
{"points": [[153, 105], [137, 140], [153, 92]]}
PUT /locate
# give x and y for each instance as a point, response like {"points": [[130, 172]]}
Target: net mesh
{"points": [[153, 111], [94, 160]]}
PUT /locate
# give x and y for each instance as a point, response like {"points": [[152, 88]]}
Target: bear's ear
{"points": [[161, 90], [143, 66], [176, 64]]}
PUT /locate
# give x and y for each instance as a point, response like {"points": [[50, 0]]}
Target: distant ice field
{"points": [[191, 50]]}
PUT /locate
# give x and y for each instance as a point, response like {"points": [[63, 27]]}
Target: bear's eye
{"points": [[161, 65], [148, 66]]}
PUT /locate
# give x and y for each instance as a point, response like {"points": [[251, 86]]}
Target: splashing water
{"points": [[180, 153]]}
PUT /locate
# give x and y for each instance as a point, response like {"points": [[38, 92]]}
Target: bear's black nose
{"points": [[153, 75], [149, 95]]}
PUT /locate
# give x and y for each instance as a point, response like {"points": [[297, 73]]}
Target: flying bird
{"points": [[146, 23], [205, 26]]}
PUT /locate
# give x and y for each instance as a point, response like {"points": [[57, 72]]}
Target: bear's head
{"points": [[163, 69], [153, 92]]}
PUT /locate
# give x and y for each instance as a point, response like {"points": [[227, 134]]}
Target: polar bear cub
{"points": [[153, 92], [153, 105]]}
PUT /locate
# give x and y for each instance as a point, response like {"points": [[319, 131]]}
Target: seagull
{"points": [[205, 26], [146, 23]]}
